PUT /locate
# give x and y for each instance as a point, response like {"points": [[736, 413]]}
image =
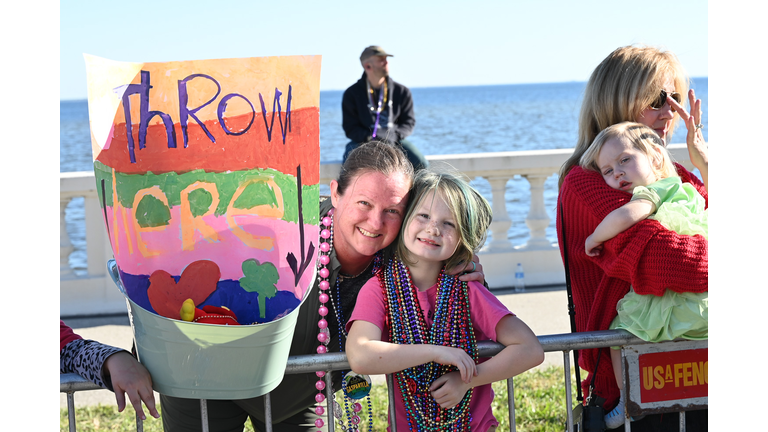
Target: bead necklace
{"points": [[451, 326], [382, 101], [326, 246]]}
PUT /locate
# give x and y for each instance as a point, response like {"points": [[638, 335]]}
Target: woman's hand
{"points": [[471, 271], [132, 378], [697, 147], [449, 390]]}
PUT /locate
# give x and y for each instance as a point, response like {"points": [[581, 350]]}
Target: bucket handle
{"points": [[115, 274]]}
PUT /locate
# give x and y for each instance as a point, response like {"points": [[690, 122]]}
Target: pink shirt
{"points": [[486, 312]]}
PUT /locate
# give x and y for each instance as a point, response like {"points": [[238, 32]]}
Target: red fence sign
{"points": [[668, 376]]}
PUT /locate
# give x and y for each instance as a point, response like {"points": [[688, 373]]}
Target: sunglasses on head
{"points": [[662, 99]]}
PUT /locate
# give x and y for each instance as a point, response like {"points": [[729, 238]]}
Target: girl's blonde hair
{"points": [[643, 138], [471, 211], [623, 85]]}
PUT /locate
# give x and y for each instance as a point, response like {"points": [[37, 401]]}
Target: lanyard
{"points": [[382, 96]]}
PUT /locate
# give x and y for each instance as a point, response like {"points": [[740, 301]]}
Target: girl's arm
{"points": [[368, 354], [523, 352], [617, 222]]}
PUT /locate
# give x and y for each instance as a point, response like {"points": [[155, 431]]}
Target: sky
{"points": [[445, 43], [434, 43]]}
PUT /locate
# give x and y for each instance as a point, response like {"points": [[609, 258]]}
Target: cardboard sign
{"points": [[667, 376], [208, 177]]}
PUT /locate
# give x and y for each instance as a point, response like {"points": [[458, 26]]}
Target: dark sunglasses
{"points": [[662, 99]]}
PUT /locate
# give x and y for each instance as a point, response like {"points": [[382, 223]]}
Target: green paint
{"points": [[227, 183], [260, 278], [200, 201], [256, 194], [151, 212]]}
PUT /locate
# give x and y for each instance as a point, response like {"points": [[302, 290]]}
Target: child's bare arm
{"points": [[368, 354], [523, 352], [616, 222]]}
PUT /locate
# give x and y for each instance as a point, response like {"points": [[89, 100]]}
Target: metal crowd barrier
{"points": [[567, 342]]}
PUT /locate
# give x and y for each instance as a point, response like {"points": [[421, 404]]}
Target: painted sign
{"points": [[208, 177], [665, 375]]}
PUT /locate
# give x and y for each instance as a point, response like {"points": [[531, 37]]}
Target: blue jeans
{"points": [[414, 155]]}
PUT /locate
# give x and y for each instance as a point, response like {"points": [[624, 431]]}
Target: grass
{"points": [[539, 407]]}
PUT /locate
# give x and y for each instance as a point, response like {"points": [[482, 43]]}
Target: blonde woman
{"points": [[645, 85]]}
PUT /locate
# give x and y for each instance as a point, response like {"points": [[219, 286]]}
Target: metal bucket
{"points": [[208, 361]]}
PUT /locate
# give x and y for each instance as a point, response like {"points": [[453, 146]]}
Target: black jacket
{"points": [[358, 116]]}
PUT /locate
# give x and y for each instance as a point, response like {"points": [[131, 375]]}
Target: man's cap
{"points": [[373, 50]]}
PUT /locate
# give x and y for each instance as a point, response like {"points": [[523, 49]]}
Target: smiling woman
{"points": [[360, 220], [368, 216]]}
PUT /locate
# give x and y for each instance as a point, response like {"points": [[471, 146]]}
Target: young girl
{"points": [[631, 157], [415, 321]]}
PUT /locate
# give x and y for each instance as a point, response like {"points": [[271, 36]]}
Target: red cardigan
{"points": [[647, 256]]}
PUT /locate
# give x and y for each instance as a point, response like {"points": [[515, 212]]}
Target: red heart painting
{"points": [[197, 282]]}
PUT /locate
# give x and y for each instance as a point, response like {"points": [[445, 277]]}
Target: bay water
{"points": [[449, 120]]}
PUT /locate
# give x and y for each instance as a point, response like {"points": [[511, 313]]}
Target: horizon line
{"points": [[441, 86]]}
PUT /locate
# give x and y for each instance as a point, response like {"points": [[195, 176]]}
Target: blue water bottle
{"points": [[519, 279]]}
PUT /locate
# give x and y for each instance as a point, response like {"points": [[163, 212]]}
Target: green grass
{"points": [[539, 406]]}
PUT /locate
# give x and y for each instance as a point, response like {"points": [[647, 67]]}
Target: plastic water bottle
{"points": [[519, 279]]}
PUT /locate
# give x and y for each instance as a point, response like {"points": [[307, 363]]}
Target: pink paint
{"points": [[228, 252]]}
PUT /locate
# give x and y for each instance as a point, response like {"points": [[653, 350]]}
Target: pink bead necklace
{"points": [[323, 336]]}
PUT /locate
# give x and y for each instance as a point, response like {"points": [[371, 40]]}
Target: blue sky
{"points": [[445, 43]]}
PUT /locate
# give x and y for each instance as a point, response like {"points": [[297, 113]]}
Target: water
{"points": [[449, 120]]}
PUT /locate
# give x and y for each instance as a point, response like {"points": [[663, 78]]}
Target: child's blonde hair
{"points": [[471, 211], [642, 137]]}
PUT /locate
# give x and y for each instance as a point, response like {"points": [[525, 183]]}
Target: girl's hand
{"points": [[471, 271], [131, 377], [697, 147], [449, 390], [592, 247], [459, 358]]}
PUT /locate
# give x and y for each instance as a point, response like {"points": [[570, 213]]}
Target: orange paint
{"points": [[229, 152]]}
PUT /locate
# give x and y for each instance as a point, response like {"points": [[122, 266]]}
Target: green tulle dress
{"points": [[680, 208]]}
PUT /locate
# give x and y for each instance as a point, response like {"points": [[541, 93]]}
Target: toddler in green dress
{"points": [[631, 157]]}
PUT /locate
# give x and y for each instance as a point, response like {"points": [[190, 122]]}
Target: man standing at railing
{"points": [[376, 107]]}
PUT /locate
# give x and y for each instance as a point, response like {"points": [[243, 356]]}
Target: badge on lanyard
{"points": [[356, 386]]}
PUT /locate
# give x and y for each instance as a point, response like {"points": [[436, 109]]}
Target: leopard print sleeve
{"points": [[86, 358]]}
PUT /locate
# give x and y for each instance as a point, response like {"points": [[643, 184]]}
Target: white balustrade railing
{"points": [[92, 292]]}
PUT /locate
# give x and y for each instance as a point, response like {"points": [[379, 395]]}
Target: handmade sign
{"points": [[207, 173]]}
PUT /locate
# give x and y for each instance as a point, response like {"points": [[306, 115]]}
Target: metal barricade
{"points": [[565, 343]]}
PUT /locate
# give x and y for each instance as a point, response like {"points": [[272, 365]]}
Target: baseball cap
{"points": [[374, 50]]}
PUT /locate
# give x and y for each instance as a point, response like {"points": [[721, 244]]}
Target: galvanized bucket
{"points": [[208, 361]]}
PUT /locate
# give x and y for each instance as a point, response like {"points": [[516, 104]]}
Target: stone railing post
{"points": [[501, 220], [65, 246], [537, 219], [95, 236]]}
